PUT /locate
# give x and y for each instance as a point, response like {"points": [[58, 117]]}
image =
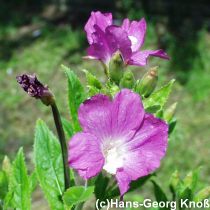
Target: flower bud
{"points": [[174, 180], [35, 88], [203, 194], [148, 83], [116, 68], [127, 80], [169, 112]]}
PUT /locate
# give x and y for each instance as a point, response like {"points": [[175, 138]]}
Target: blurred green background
{"points": [[38, 36]]}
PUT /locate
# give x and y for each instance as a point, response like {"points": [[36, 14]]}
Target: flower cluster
{"points": [[106, 39], [119, 137]]}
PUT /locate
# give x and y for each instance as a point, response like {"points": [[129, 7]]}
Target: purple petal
{"points": [[101, 48], [106, 43], [119, 41], [85, 155], [123, 181], [146, 149], [127, 113], [95, 116], [136, 32], [97, 18], [126, 25], [140, 58]]}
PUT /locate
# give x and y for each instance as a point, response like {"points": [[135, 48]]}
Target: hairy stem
{"points": [[62, 140]]}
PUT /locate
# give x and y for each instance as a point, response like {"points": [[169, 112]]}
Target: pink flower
{"points": [[119, 137], [105, 39]]}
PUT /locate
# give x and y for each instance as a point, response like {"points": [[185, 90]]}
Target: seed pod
{"points": [[148, 83], [128, 80]]}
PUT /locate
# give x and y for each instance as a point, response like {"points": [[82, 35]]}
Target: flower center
{"points": [[133, 39], [114, 158]]}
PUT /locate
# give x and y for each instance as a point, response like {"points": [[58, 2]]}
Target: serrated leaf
{"points": [[68, 129], [159, 194], [19, 195], [76, 95], [49, 166], [92, 80], [159, 97], [77, 194]]}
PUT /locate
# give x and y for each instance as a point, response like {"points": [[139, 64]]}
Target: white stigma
{"points": [[114, 157]]}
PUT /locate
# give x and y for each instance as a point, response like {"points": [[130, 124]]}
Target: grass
{"points": [[189, 145]]}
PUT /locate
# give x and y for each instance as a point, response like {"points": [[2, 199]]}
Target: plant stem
{"points": [[62, 140]]}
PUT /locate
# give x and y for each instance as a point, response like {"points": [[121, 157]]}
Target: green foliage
{"points": [[68, 129], [159, 97], [159, 194], [19, 194], [185, 188], [48, 163], [76, 95], [3, 185], [101, 185], [93, 84], [76, 195]]}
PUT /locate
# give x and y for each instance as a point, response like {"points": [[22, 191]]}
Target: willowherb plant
{"points": [[118, 132]]}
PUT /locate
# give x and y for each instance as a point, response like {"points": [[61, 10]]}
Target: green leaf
{"points": [[33, 181], [159, 97], [49, 165], [159, 194], [67, 128], [101, 185], [77, 194], [92, 80], [3, 185], [19, 195], [186, 194], [76, 95], [172, 126], [153, 109]]}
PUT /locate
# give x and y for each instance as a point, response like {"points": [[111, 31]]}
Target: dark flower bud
{"points": [[148, 83], [35, 88]]}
